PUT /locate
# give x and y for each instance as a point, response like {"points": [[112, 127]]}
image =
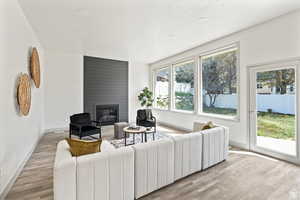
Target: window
{"points": [[219, 80], [162, 88], [205, 87], [184, 86]]}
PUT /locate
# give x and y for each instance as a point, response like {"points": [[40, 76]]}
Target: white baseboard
{"points": [[56, 130], [7, 187], [239, 145]]}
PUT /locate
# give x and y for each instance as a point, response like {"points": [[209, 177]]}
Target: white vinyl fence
{"points": [[278, 103]]}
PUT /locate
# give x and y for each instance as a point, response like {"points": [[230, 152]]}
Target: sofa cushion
{"points": [[188, 154], [106, 175], [215, 146], [154, 166]]}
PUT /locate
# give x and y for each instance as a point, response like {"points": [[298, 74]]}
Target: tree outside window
{"points": [[219, 80]]}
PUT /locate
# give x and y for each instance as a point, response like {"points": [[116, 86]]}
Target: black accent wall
{"points": [[105, 82]]}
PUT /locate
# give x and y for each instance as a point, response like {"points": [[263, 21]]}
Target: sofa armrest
{"points": [[197, 126], [64, 173]]}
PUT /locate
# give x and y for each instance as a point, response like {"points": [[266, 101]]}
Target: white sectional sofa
{"points": [[107, 175], [215, 146], [188, 154], [64, 173], [154, 166], [132, 172]]}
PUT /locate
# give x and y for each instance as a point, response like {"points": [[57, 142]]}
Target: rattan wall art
{"points": [[24, 94], [35, 67]]}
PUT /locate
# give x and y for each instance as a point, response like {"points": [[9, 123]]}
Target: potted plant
{"points": [[146, 98]]}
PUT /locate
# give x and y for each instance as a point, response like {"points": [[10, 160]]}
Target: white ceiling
{"points": [[143, 30]]}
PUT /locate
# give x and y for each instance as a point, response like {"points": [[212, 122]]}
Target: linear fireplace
{"points": [[107, 114]]}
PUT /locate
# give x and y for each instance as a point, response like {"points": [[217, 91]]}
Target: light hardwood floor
{"points": [[243, 176]]}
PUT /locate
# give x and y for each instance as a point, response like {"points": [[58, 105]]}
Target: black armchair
{"points": [[146, 119], [82, 125]]}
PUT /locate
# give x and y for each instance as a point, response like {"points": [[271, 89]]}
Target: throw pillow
{"points": [[82, 147], [208, 125]]}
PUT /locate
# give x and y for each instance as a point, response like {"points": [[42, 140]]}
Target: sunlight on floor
{"points": [[279, 145], [252, 154]]}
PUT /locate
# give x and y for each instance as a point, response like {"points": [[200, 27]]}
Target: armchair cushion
{"points": [[82, 125], [145, 118], [141, 115], [147, 123], [88, 128], [82, 118]]}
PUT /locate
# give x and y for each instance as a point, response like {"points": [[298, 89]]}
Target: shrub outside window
{"points": [[184, 86], [162, 88]]}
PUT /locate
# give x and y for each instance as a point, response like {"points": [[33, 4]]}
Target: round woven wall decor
{"points": [[24, 94], [35, 67]]}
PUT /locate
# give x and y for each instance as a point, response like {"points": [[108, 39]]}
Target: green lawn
{"points": [[220, 111], [184, 101], [272, 125], [275, 125]]}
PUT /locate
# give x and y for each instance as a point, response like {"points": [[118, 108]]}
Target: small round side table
{"points": [[127, 130]]}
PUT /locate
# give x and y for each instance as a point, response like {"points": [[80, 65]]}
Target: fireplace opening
{"points": [[107, 114]]}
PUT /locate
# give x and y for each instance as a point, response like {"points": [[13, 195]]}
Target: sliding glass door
{"points": [[273, 110]]}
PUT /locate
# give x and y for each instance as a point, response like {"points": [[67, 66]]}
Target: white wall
{"points": [[18, 135], [63, 88], [138, 79], [275, 40]]}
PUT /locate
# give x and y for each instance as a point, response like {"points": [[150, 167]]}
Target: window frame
{"points": [[198, 98], [173, 104], [154, 78], [200, 104]]}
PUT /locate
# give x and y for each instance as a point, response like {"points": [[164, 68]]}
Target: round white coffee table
{"points": [[127, 130]]}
